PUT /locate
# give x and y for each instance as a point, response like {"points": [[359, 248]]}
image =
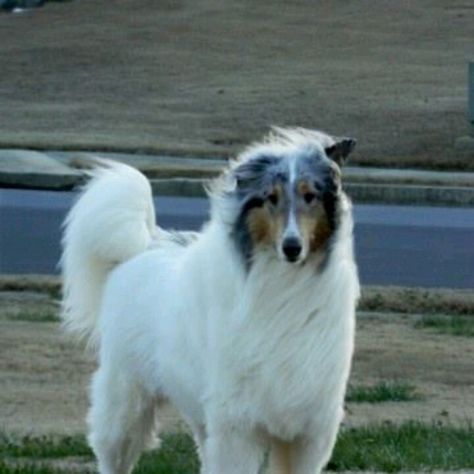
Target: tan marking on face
{"points": [[321, 235], [260, 225], [265, 224], [304, 187], [315, 229], [264, 227]]}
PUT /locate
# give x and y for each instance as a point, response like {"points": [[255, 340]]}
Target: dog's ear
{"points": [[340, 150]]}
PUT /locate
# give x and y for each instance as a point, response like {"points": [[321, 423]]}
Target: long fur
{"points": [[254, 355], [113, 221]]}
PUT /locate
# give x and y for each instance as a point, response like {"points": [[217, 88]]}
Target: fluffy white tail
{"points": [[112, 221]]}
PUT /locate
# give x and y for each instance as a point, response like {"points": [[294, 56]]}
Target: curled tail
{"points": [[112, 221]]}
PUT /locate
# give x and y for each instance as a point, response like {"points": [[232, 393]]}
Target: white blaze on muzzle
{"points": [[292, 247]]}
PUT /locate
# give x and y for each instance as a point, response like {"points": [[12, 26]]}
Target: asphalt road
{"points": [[395, 245]]}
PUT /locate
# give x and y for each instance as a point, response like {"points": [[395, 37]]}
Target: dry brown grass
{"points": [[417, 300], [44, 375], [374, 298], [206, 77]]}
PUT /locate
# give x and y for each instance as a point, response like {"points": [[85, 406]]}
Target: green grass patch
{"points": [[391, 391], [452, 325], [7, 468], [43, 447], [27, 468], [177, 456], [412, 446], [36, 316]]}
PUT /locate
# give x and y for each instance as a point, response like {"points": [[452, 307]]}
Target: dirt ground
{"points": [[205, 77], [44, 377]]}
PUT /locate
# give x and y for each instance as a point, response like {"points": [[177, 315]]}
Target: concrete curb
{"points": [[359, 192], [374, 298], [32, 169], [178, 176], [411, 194]]}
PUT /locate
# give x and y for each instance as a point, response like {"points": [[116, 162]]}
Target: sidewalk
{"points": [[178, 176]]}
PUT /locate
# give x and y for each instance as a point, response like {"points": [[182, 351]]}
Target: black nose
{"points": [[292, 248]]}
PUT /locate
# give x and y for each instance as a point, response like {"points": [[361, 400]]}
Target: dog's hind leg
{"points": [[121, 420]]}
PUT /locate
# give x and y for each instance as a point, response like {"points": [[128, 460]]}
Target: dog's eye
{"points": [[273, 198], [309, 197]]}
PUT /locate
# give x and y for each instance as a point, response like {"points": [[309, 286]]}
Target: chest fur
{"points": [[288, 357]]}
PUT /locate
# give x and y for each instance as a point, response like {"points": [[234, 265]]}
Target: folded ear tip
{"points": [[341, 149], [348, 145]]}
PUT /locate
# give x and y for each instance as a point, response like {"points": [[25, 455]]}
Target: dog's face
{"points": [[289, 200]]}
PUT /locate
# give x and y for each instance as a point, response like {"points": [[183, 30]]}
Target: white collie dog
{"points": [[247, 327]]}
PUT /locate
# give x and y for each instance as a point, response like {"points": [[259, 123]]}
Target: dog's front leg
{"points": [[310, 455], [232, 450]]}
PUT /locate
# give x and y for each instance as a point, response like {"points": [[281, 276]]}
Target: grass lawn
{"points": [[409, 447], [391, 391], [388, 448], [452, 325], [36, 316]]}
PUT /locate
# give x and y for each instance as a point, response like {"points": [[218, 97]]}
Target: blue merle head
{"points": [[286, 193]]}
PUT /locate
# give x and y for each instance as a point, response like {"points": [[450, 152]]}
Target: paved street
{"points": [[395, 245]]}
